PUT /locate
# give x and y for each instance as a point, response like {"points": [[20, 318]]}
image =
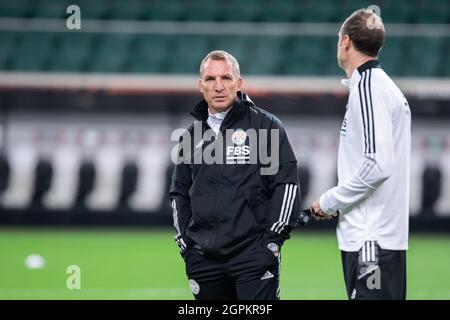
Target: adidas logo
{"points": [[267, 275]]}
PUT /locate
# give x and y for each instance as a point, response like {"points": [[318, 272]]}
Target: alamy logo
{"points": [[369, 268], [74, 20], [374, 21], [74, 278], [374, 280], [240, 146]]}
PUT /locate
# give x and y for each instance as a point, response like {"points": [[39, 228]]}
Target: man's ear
{"points": [[346, 42], [239, 85], [200, 85]]}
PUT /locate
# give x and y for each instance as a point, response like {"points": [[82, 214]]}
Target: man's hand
{"points": [[318, 214]]}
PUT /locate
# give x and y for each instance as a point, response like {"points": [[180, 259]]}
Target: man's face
{"points": [[219, 84]]}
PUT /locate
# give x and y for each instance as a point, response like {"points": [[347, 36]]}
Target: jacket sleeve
{"points": [[370, 109], [284, 202], [181, 202]]}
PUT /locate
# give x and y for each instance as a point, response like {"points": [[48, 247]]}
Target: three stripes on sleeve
{"points": [[290, 192], [178, 238]]}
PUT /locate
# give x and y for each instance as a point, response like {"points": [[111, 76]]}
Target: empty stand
{"points": [[152, 52]]}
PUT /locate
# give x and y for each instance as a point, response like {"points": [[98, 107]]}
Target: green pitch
{"points": [[145, 264]]}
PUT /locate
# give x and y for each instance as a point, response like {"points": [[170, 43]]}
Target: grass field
{"points": [[145, 264]]}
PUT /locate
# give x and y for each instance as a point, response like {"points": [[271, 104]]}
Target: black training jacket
{"points": [[222, 207]]}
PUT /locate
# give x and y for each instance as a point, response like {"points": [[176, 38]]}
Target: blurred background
{"points": [[86, 117]]}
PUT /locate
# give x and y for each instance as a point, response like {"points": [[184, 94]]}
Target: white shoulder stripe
{"points": [[365, 100]]}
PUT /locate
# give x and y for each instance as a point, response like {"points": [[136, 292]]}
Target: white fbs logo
{"points": [[238, 152]]}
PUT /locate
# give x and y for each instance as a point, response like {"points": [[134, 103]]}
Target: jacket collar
{"points": [[200, 111], [356, 75], [368, 65]]}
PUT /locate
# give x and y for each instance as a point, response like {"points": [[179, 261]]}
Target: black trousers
{"points": [[373, 273], [251, 274]]}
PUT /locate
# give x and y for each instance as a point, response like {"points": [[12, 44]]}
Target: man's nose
{"points": [[218, 86]]}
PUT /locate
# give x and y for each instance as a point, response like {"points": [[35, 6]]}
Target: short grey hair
{"points": [[222, 55]]}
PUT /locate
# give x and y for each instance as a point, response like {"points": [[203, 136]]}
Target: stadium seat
{"points": [[426, 54], [242, 11], [436, 11], [97, 10], [187, 53], [398, 11], [163, 10], [329, 64], [72, 52], [306, 55], [7, 43], [445, 68], [317, 11], [404, 11], [265, 55], [280, 11], [238, 46], [149, 54], [200, 10], [32, 52], [393, 55], [110, 54], [51, 9], [132, 10], [343, 8], [181, 53], [17, 8]]}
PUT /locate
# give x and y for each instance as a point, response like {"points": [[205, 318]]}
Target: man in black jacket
{"points": [[234, 190]]}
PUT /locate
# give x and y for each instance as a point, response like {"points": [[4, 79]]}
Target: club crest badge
{"points": [[194, 286], [239, 137]]}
